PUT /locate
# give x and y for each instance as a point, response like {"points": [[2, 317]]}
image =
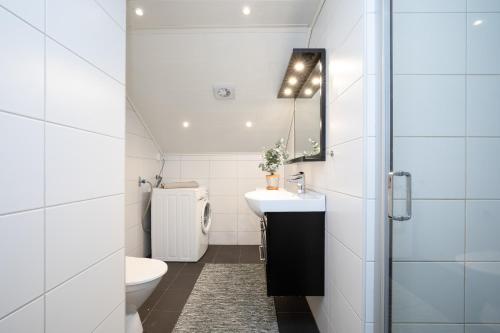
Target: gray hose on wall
{"points": [[158, 178]]}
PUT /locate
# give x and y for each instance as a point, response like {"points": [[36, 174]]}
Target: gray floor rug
{"points": [[229, 298]]}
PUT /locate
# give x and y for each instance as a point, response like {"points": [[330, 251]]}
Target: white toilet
{"points": [[142, 275]]}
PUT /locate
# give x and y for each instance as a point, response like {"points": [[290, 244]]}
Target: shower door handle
{"points": [[390, 201]]}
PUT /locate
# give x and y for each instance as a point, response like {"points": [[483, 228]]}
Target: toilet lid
{"points": [[142, 270]]}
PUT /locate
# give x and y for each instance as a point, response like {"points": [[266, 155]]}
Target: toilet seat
{"points": [[143, 270]]}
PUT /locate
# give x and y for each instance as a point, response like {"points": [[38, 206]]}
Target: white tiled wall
{"points": [[446, 127], [142, 160], [62, 143], [228, 177], [347, 29]]}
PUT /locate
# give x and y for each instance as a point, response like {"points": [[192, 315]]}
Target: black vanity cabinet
{"points": [[294, 247]]}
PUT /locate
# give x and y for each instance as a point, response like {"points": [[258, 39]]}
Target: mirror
{"points": [[304, 81]]}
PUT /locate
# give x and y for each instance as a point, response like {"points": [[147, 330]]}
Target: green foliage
{"points": [[273, 158]]}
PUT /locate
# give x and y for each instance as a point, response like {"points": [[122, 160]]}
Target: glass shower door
{"points": [[445, 207]]}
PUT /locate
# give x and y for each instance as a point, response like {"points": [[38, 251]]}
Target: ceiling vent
{"points": [[224, 91]]}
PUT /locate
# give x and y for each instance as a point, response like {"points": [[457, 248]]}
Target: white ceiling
{"points": [[221, 13], [170, 74]]}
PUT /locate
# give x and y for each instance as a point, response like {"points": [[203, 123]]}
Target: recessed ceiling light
{"points": [[477, 22], [246, 10], [292, 80], [299, 66], [308, 91], [185, 124], [139, 11], [248, 124], [316, 80], [287, 91]]}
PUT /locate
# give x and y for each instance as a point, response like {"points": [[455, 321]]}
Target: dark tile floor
{"points": [[160, 311]]}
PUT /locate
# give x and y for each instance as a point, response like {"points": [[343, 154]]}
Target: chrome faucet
{"points": [[300, 180]]}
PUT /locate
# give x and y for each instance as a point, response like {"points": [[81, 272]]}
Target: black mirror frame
{"points": [[321, 156]]}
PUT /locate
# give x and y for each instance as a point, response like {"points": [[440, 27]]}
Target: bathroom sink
{"points": [[265, 201]]}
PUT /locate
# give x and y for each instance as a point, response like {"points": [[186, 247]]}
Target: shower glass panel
{"points": [[445, 230]]}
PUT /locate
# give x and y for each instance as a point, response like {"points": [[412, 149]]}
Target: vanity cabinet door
{"points": [[295, 246]]}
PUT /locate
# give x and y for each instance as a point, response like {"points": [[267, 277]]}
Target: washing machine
{"points": [[180, 221]]}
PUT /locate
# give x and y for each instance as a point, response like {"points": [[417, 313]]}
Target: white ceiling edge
{"points": [[215, 30]]}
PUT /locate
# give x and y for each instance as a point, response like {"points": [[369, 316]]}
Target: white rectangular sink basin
{"points": [[265, 201]]}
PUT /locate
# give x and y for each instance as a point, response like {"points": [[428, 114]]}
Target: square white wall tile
{"points": [[76, 224], [483, 49], [482, 293], [483, 6], [249, 238], [437, 166], [222, 238], [482, 328], [195, 169], [223, 169], [133, 215], [343, 318], [80, 95], [346, 62], [248, 222], [133, 168], [221, 186], [344, 220], [347, 276], [428, 292], [139, 146], [434, 233], [429, 43], [133, 124], [224, 222], [172, 169], [30, 319], [32, 11], [22, 161], [224, 204], [346, 115], [429, 105], [82, 165], [334, 25], [483, 163], [100, 40], [114, 322], [105, 280], [427, 6], [428, 328], [22, 65], [483, 230], [22, 245], [346, 172], [483, 105], [249, 169], [249, 184], [117, 9]]}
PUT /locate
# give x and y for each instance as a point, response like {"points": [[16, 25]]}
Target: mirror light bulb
{"points": [[316, 81], [139, 11], [308, 91], [248, 124], [185, 124], [246, 10], [292, 80], [299, 66], [287, 91]]}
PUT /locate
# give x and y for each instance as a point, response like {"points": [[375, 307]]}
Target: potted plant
{"points": [[272, 159]]}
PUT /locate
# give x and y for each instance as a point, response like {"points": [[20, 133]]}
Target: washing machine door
{"points": [[206, 216]]}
